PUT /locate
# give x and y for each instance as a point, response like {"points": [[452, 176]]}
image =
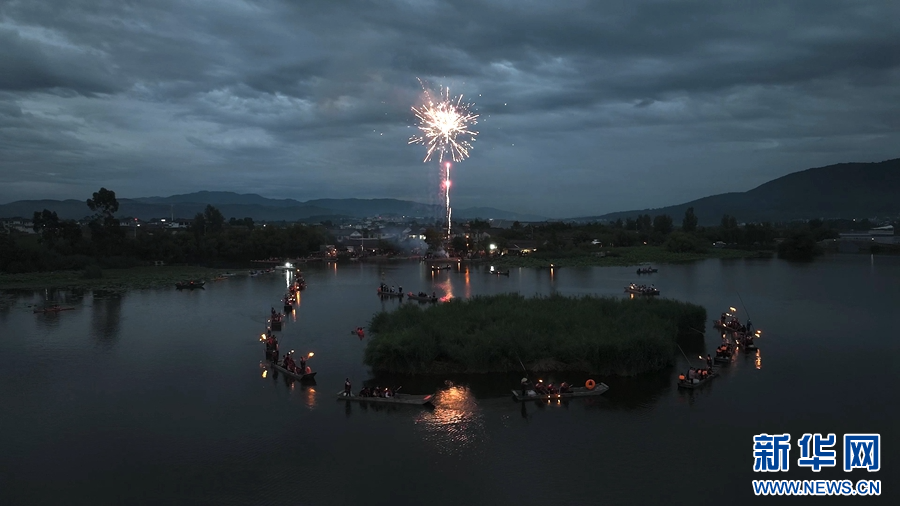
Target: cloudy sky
{"points": [[585, 107]]}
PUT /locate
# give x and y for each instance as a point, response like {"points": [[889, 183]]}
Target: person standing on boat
{"points": [[749, 326], [708, 361], [399, 289], [302, 364], [347, 388], [524, 384]]}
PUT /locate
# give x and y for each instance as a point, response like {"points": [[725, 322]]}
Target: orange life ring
{"points": [[308, 370], [590, 384]]}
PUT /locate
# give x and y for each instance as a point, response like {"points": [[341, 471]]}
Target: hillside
{"points": [[846, 190], [235, 205]]}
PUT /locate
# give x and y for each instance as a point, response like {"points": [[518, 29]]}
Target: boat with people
{"points": [[724, 353], [746, 340], [271, 343], [276, 320], [440, 267], [304, 376], [500, 273], [646, 270], [190, 285], [539, 392], [642, 289], [696, 378], [52, 309], [299, 284], [422, 297], [299, 371], [389, 291], [390, 398]]}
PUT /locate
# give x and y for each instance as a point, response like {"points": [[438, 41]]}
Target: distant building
{"points": [[18, 224], [883, 235]]}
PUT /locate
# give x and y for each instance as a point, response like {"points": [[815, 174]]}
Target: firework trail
{"points": [[445, 125]]}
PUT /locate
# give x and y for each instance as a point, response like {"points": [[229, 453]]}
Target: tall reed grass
{"points": [[494, 333]]}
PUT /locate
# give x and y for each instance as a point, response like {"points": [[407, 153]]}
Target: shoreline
{"points": [[624, 257], [112, 279]]}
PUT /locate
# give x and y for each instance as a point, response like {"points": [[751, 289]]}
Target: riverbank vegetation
{"points": [[645, 239], [494, 333], [103, 242], [107, 279]]}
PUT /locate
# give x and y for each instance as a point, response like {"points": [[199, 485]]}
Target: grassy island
{"points": [[492, 333]]}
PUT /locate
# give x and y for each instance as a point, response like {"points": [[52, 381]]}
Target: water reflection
{"points": [[457, 423], [106, 317], [758, 360], [447, 288], [468, 285]]}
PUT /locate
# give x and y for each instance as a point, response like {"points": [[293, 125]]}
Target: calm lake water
{"points": [[159, 396]]}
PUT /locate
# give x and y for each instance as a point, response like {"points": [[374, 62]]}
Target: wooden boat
{"points": [[440, 267], [723, 359], [276, 324], [390, 294], [427, 298], [692, 384], [641, 291], [311, 376], [724, 328], [190, 285], [500, 273], [53, 309], [648, 270], [418, 400], [600, 389]]}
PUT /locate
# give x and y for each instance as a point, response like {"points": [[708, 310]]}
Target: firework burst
{"points": [[446, 125], [446, 129]]}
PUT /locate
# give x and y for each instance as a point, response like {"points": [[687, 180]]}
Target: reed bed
{"points": [[501, 333]]}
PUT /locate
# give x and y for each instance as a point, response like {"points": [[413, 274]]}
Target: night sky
{"points": [[586, 107]]}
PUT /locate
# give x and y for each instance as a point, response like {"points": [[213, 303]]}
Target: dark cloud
{"points": [[586, 107]]}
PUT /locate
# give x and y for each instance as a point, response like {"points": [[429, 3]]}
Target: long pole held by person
{"points": [[743, 305], [685, 355]]}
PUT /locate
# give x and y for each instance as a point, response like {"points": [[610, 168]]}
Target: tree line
{"points": [[793, 240], [66, 244]]}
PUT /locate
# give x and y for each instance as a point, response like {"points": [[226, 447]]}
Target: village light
{"points": [[493, 247]]}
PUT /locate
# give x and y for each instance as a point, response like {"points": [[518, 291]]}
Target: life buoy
{"points": [[590, 384], [308, 370]]}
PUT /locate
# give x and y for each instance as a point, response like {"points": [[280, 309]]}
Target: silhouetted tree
{"points": [[213, 219], [104, 203], [105, 231], [729, 221], [689, 223], [662, 224]]}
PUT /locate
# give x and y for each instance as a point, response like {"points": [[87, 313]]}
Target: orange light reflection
{"points": [[455, 424]]}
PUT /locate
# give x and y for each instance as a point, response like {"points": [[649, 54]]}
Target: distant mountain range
{"points": [[236, 205], [845, 190]]}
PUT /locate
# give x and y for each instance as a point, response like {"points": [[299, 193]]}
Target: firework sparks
{"points": [[446, 129], [446, 125]]}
